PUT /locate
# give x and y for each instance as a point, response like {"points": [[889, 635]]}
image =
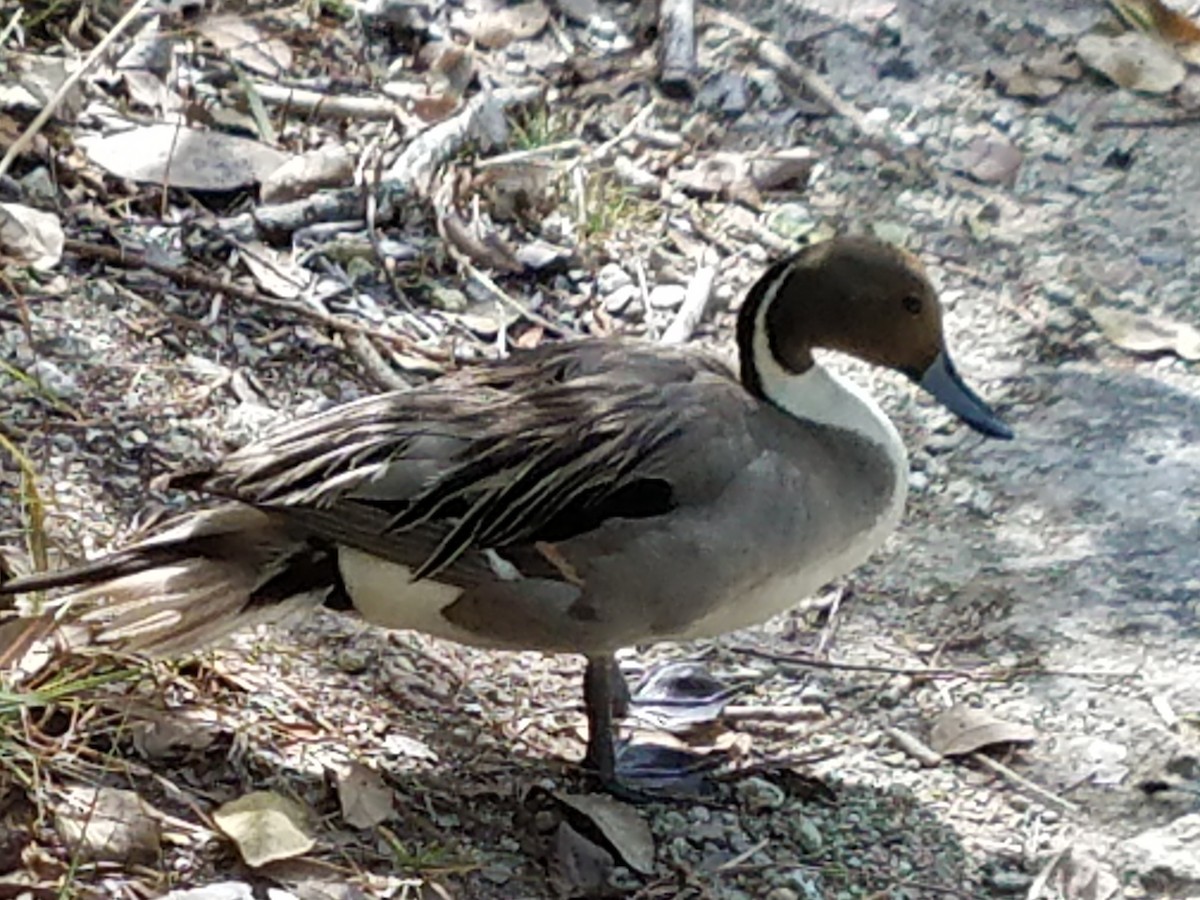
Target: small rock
{"points": [[759, 794], [447, 299], [814, 695], [1007, 881], [603, 28], [1171, 850], [539, 255], [792, 220], [54, 379], [770, 92], [219, 890], [899, 68], [782, 893], [809, 835], [667, 296], [726, 91], [616, 302], [803, 883], [611, 277]]}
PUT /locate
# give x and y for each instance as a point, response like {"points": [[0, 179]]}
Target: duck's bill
{"points": [[943, 383]]}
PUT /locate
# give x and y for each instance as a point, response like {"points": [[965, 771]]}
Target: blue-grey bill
{"points": [[943, 383]]}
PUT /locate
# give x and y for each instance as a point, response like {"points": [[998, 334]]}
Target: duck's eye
{"points": [[912, 304]]}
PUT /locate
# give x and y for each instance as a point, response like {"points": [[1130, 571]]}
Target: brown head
{"points": [[862, 297]]}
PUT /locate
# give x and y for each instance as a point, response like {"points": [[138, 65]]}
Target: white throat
{"points": [[823, 397]]}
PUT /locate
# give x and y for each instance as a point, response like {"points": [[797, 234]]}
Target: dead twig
{"points": [[318, 104], [980, 674], [914, 747], [677, 48], [190, 277], [1024, 783], [416, 165], [1161, 122], [695, 302]]}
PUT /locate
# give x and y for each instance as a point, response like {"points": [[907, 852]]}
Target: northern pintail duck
{"points": [[582, 497]]}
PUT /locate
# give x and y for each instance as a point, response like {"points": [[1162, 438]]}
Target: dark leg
{"points": [[599, 699]]}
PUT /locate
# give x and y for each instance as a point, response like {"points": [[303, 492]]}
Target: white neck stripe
{"points": [[819, 395]]}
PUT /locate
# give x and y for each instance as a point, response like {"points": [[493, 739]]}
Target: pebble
{"points": [[54, 379], [1009, 882], [809, 835], [616, 302], [667, 296], [759, 794], [611, 277]]}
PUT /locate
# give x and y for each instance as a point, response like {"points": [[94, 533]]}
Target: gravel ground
{"points": [[1066, 558]]}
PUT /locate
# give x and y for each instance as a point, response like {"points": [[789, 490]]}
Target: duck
{"points": [[583, 497]]}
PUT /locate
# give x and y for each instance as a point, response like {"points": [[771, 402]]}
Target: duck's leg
{"points": [[605, 698], [635, 773]]}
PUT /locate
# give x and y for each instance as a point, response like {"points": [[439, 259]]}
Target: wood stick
{"points": [[677, 48], [695, 302]]}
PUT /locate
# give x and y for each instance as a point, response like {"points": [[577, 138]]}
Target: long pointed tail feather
{"points": [[199, 578]]}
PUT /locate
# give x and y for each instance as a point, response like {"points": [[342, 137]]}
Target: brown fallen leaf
{"points": [[265, 827], [578, 866], [29, 236], [620, 824], [489, 251], [109, 824], [963, 729], [365, 799], [1144, 333], [183, 157], [245, 44], [499, 26]]}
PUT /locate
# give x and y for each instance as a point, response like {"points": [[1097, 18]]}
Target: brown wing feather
{"points": [[502, 455]]}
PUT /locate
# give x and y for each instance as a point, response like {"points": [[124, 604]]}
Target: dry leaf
{"points": [[184, 157], [366, 800], [621, 826], [1132, 60], [500, 26], [28, 82], [265, 827], [245, 44], [109, 824], [166, 734], [1139, 333], [580, 867], [963, 729], [275, 272], [435, 108], [29, 236]]}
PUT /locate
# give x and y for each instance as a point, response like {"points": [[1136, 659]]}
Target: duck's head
{"points": [[858, 296]]}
